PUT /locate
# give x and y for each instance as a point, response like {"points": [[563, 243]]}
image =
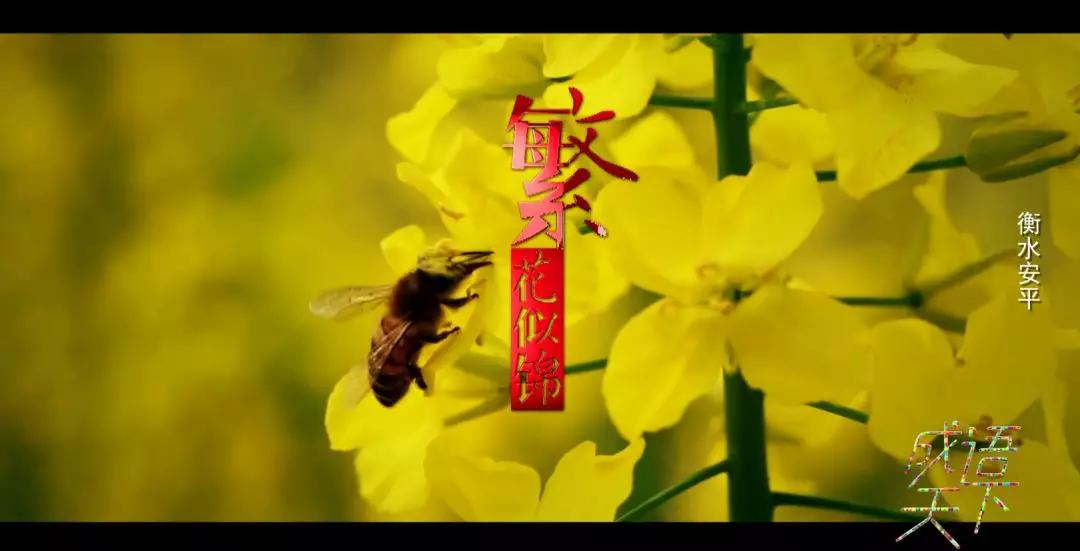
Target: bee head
{"points": [[443, 261]]}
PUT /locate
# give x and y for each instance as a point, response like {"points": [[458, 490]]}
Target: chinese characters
{"points": [[537, 329], [989, 472], [1029, 224], [536, 274], [539, 145]]}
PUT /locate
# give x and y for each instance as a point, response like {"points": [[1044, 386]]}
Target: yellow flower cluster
{"points": [[766, 273]]}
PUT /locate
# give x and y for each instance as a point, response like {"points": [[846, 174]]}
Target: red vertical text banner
{"points": [[536, 325], [537, 349]]}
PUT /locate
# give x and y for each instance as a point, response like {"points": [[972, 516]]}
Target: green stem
{"points": [[744, 407], [913, 300], [663, 100], [709, 40], [797, 500], [925, 166], [842, 411], [491, 405], [665, 495], [944, 321], [761, 105], [585, 367], [932, 288]]}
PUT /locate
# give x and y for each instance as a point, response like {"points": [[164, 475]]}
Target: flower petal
{"points": [[792, 135], [677, 374], [865, 247], [654, 230], [496, 67], [912, 365], [391, 471], [1002, 340], [622, 79], [1049, 489], [592, 282], [933, 76], [480, 488], [687, 68], [655, 140], [356, 419], [1061, 293], [410, 133], [800, 346], [820, 70], [983, 210], [918, 385], [949, 249], [587, 487], [392, 441], [401, 248], [477, 168], [341, 419], [772, 215], [1064, 215], [566, 54], [880, 134]]}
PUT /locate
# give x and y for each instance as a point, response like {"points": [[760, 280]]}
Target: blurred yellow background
{"points": [[169, 205]]}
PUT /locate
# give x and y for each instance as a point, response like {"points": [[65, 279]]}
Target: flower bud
{"points": [[1015, 148]]}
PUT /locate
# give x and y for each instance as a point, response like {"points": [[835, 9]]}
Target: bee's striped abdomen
{"points": [[390, 378]]}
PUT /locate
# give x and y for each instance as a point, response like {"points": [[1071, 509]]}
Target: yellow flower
{"points": [[1048, 91], [879, 94], [492, 66], [900, 240], [1064, 215], [392, 442], [479, 78], [412, 133], [867, 247], [617, 72], [1044, 465], [1049, 73], [583, 487], [948, 248], [701, 244], [1005, 363], [1049, 489]]}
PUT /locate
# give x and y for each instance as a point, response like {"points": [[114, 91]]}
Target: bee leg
{"points": [[433, 338], [414, 370], [459, 302]]}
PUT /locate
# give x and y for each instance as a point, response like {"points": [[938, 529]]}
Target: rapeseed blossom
{"points": [[584, 486], [1047, 93], [880, 94], [703, 245], [392, 442], [749, 270], [479, 76]]}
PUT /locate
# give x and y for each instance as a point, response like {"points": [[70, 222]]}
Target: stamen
{"points": [[451, 213]]}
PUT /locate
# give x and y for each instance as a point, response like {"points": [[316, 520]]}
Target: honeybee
{"points": [[412, 320]]}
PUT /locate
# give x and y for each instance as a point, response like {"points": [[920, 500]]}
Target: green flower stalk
{"points": [[749, 498]]}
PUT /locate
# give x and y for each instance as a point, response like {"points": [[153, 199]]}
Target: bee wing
{"points": [[357, 386], [345, 302], [379, 354]]}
